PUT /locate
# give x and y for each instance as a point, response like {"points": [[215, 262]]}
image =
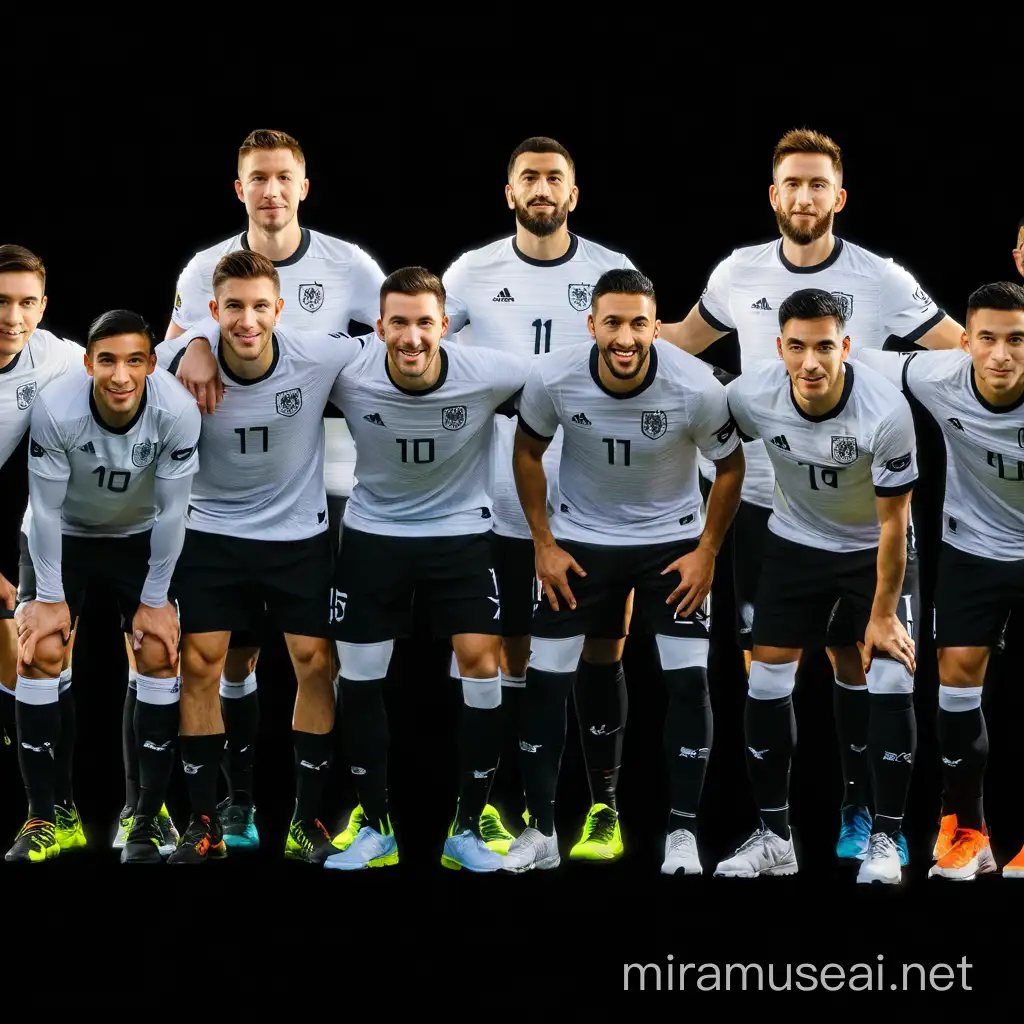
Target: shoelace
{"points": [[36, 829], [680, 841], [881, 846], [759, 838], [601, 827], [491, 828]]}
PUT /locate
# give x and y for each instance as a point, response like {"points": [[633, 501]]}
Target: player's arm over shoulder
{"points": [[508, 375], [538, 414], [910, 315], [894, 446]]}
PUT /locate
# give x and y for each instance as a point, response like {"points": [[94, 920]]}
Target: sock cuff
{"points": [[484, 694], [770, 682], [951, 698], [132, 676], [152, 690], [37, 691], [9, 692], [235, 691], [517, 681], [850, 687]]}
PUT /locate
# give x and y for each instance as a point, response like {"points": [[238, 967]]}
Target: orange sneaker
{"points": [[1015, 868], [944, 841], [969, 856]]}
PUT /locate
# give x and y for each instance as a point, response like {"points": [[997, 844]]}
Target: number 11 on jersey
{"points": [[537, 325]]}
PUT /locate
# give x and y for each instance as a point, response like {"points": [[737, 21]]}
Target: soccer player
{"points": [[326, 283], [258, 538], [530, 294], [419, 521], [881, 303], [634, 412], [975, 397], [844, 453], [112, 451]]}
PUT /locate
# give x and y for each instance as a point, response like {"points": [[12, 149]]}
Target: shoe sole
{"points": [[455, 865], [547, 864], [1013, 872], [77, 844], [779, 871], [141, 860], [676, 871], [879, 880], [380, 862]]}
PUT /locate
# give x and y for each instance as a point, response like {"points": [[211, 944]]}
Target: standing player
{"points": [[975, 398], [325, 283], [112, 452], [629, 515], [419, 521], [844, 454], [530, 294], [881, 302]]}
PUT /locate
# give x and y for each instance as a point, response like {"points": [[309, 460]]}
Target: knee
{"points": [[240, 663], [962, 666], [478, 657], [200, 668], [47, 659], [312, 662], [515, 655], [847, 666], [602, 651], [152, 658]]}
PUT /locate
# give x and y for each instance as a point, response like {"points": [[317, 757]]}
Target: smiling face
{"points": [[119, 366], [995, 341], [806, 195], [247, 309], [22, 303], [813, 352], [542, 192], [412, 327], [624, 327]]}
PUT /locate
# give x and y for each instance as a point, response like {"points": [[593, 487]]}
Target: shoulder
{"points": [[204, 261], [336, 250], [930, 367], [473, 363], [683, 367], [868, 380], [61, 396], [484, 256], [45, 346], [761, 254], [167, 394], [863, 261], [598, 255]]}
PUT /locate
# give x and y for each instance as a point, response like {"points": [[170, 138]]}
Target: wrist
{"points": [[51, 597], [709, 544], [544, 539]]}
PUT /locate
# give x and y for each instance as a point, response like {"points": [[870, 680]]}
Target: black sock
{"points": [[601, 706], [963, 744], [850, 709], [38, 728], [241, 726], [8, 721], [312, 762], [129, 751], [769, 728], [364, 744], [892, 740], [200, 758], [507, 791], [64, 751], [479, 751], [156, 728], [687, 737], [542, 740]]}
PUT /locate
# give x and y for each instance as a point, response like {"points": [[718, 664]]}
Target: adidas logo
{"points": [[781, 442], [88, 448], [374, 418], [760, 304], [956, 423], [581, 419], [503, 296]]}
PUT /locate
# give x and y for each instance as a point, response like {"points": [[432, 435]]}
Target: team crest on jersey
{"points": [[311, 296], [453, 417], [289, 402], [580, 295], [845, 301], [143, 453], [844, 450], [26, 394], [653, 424]]}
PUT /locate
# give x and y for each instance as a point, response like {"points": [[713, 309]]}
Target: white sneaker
{"points": [[532, 849], [882, 862], [681, 854], [764, 853]]}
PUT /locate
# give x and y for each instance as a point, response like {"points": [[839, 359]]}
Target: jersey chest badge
{"points": [[580, 296], [311, 296], [845, 304], [26, 394], [288, 402], [844, 450], [653, 424], [143, 453], [453, 417]]}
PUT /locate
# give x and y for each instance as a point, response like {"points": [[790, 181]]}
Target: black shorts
{"points": [[377, 578], [974, 598], [750, 527], [517, 581], [612, 572], [240, 584]]}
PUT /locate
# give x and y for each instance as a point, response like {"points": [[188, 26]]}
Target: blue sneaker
{"points": [[854, 833], [239, 825], [467, 850], [369, 849], [901, 848]]}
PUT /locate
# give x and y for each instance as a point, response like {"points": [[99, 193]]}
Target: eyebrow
{"points": [[533, 170], [20, 298]]}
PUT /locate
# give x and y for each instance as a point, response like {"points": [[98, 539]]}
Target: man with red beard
{"points": [[881, 303]]}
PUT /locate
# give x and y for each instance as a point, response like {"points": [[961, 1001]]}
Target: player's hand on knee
{"points": [[696, 571], [8, 593], [198, 371], [887, 634], [159, 624], [37, 620], [553, 565]]}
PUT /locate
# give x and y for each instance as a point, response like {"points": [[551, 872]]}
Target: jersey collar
{"points": [[652, 372], [94, 409], [574, 244], [14, 362], [411, 392], [839, 406], [818, 267], [987, 405], [295, 256], [245, 383]]}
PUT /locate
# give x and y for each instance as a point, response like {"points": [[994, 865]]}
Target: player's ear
{"points": [[778, 346], [278, 306], [444, 325], [152, 362], [773, 196], [965, 342], [846, 346], [42, 308], [657, 329], [214, 311], [88, 362], [380, 329], [238, 191], [510, 197], [590, 325], [574, 197], [840, 200], [305, 189]]}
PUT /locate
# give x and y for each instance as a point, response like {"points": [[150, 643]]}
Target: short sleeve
{"points": [[894, 452], [509, 374], [180, 454], [714, 303], [890, 365], [366, 279], [908, 312], [712, 426], [47, 449], [191, 300], [738, 410], [537, 413], [169, 352], [456, 305]]}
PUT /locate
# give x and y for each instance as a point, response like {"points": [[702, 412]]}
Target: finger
{"points": [[210, 400], [549, 593], [566, 592], [28, 647], [866, 657], [693, 600], [219, 385], [137, 637], [574, 565], [200, 393]]}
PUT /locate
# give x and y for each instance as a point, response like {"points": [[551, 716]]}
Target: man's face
{"points": [[119, 367], [813, 351], [247, 310], [624, 327], [1018, 253], [995, 341], [21, 308], [271, 183], [412, 327], [805, 196], [541, 192]]}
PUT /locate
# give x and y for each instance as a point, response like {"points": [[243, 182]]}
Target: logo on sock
{"points": [[315, 767], [858, 750], [482, 775], [529, 748], [890, 756], [759, 754], [602, 730], [952, 764], [356, 770], [699, 753], [46, 748], [190, 769], [150, 745]]}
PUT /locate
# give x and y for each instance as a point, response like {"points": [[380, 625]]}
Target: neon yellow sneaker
{"points": [[308, 842], [68, 829], [36, 842], [493, 832], [356, 820], [602, 838]]}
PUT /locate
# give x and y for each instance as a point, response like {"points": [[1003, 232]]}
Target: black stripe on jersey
{"points": [[903, 375], [895, 492], [818, 267], [295, 256], [527, 429], [920, 332], [442, 377], [256, 380], [839, 406], [710, 319], [14, 362], [173, 368], [652, 372], [574, 244], [131, 423]]}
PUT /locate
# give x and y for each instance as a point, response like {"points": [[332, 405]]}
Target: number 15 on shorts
{"points": [[338, 601]]}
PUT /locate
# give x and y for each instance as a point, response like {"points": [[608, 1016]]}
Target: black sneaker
{"points": [[203, 840], [309, 842], [143, 843], [36, 842]]}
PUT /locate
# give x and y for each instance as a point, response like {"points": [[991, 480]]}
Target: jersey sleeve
{"points": [[180, 454], [47, 450], [191, 303], [366, 279], [714, 303], [712, 426], [735, 393], [537, 413], [509, 374], [455, 303], [890, 365], [908, 312], [170, 352], [894, 453]]}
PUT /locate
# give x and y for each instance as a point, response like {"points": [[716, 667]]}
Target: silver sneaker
{"points": [[532, 849], [882, 863], [764, 853], [681, 854]]}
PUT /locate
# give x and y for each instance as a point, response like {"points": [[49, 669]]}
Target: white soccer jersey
{"points": [[262, 475], [983, 506], [325, 283], [629, 460], [421, 456], [44, 358], [879, 298], [111, 472], [528, 307], [829, 469]]}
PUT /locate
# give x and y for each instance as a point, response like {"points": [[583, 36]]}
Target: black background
{"points": [[121, 167]]}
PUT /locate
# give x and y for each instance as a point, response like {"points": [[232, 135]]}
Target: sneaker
{"points": [[143, 844], [882, 863], [36, 842], [124, 826], [168, 833], [467, 850], [681, 854], [601, 839], [969, 856], [945, 839], [68, 829], [532, 849], [308, 842], [344, 839], [1015, 867], [854, 833], [902, 849], [367, 849], [203, 841], [764, 853], [493, 832], [238, 822]]}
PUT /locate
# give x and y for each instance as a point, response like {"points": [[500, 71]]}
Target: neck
{"points": [[248, 369], [427, 379], [620, 385], [809, 255], [551, 247], [276, 246], [7, 360], [111, 417], [827, 402], [999, 399]]}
